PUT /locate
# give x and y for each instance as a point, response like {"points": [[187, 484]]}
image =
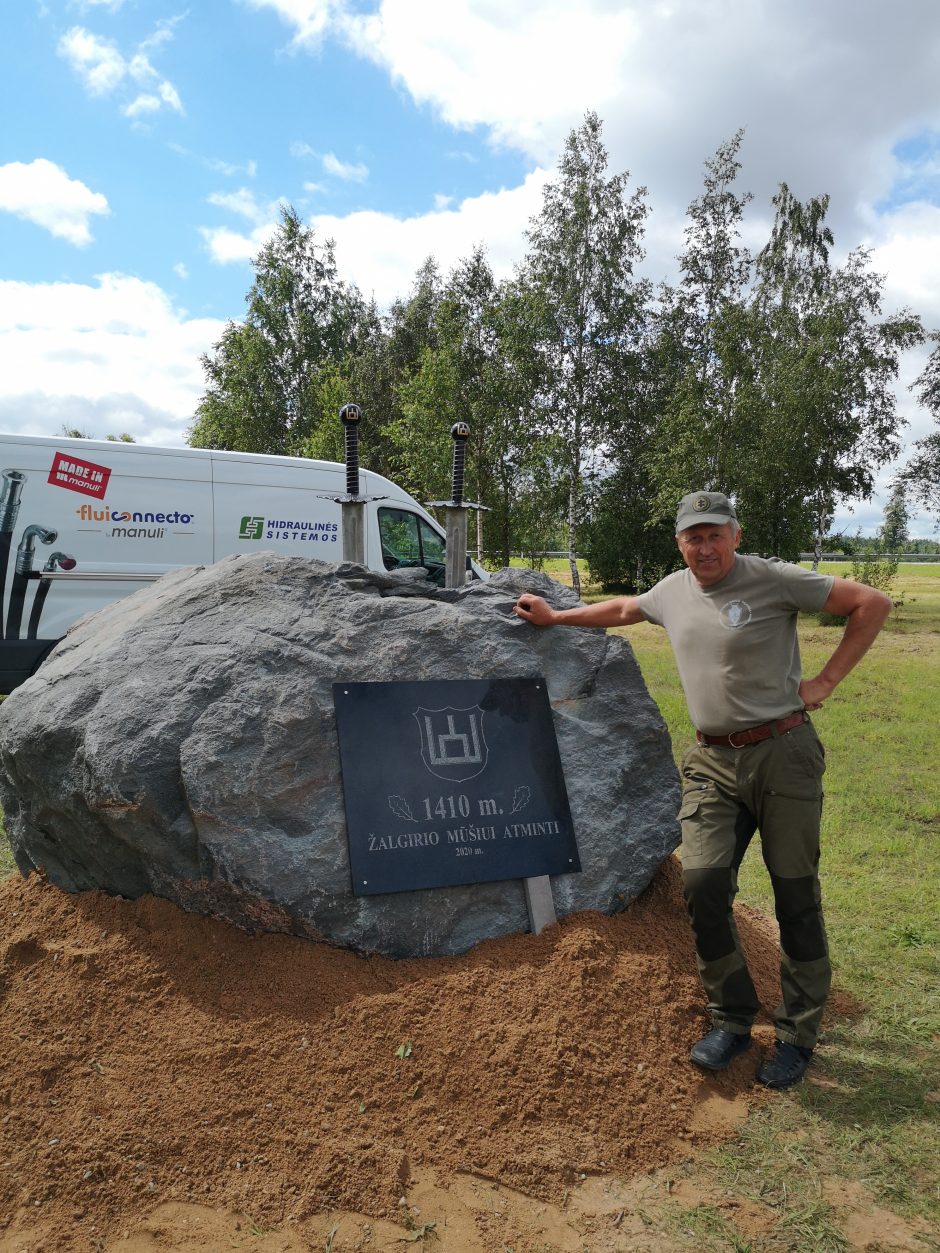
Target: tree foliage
{"points": [[893, 534], [268, 377], [699, 353], [587, 309], [594, 403], [76, 432], [922, 472], [776, 373], [823, 405]]}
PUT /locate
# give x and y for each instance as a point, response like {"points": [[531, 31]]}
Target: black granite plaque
{"points": [[451, 781]]}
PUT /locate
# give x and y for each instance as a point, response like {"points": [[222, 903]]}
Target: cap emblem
{"points": [[701, 503]]}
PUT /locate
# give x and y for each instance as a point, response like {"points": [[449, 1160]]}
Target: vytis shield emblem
{"points": [[452, 742]]}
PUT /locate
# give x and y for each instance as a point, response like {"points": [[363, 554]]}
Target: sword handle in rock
{"points": [[354, 541], [459, 433], [351, 416]]}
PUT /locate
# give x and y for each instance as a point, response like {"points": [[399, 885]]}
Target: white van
{"points": [[85, 522]]}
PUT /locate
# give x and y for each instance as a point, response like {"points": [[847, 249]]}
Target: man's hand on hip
{"points": [[814, 691]]}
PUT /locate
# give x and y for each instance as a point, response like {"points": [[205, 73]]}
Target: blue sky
{"points": [[147, 146]]}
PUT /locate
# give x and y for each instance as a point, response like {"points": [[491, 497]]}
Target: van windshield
{"points": [[407, 540]]}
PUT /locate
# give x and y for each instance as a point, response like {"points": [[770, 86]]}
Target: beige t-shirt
{"points": [[735, 643]]}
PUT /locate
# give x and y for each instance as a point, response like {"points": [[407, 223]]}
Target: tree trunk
{"points": [[573, 533], [822, 526]]}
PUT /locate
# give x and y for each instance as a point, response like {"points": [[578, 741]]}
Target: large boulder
{"points": [[183, 742]]}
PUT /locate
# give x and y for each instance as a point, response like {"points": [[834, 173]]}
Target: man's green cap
{"points": [[704, 509]]}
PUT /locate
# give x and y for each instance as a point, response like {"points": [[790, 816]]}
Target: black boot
{"points": [[786, 1067], [719, 1048]]}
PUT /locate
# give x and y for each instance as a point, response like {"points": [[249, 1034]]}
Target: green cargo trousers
{"points": [[728, 794]]}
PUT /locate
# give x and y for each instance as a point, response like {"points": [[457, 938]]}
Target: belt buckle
{"points": [[731, 742]]}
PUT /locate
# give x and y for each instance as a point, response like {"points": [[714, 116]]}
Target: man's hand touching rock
{"points": [[535, 609]]}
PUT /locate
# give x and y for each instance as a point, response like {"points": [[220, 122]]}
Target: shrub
{"points": [[874, 569]]}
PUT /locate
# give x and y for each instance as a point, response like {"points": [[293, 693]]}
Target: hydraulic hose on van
{"points": [[13, 481], [64, 562], [24, 566]]}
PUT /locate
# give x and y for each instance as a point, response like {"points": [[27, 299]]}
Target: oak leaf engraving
{"points": [[520, 798], [399, 806]]}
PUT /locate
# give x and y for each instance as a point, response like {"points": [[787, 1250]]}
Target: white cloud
{"points": [[164, 32], [824, 90], [84, 5], [96, 61], [353, 172], [310, 19], [349, 171], [216, 164], [525, 70], [115, 356], [250, 167], [144, 103], [169, 95], [381, 253], [43, 193], [103, 69], [906, 249], [226, 246], [246, 204], [180, 270]]}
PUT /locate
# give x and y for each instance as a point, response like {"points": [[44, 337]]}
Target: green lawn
{"points": [[876, 1118], [873, 1117]]}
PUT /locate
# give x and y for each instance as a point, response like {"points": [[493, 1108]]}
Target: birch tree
{"points": [[583, 246], [266, 375]]}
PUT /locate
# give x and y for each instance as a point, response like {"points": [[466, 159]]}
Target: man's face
{"points": [[709, 550]]}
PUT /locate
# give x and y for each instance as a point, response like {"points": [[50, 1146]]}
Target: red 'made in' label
{"points": [[79, 476]]}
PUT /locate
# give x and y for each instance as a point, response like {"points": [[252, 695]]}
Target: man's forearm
{"points": [[620, 611], [864, 623], [859, 635]]}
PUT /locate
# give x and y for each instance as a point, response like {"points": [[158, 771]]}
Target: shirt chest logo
{"points": [[735, 614]]}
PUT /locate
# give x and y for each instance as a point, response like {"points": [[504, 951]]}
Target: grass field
{"points": [[873, 1115]]}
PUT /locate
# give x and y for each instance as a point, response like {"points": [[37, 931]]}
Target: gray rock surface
{"points": [[183, 742]]}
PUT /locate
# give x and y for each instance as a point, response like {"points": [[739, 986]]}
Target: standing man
{"points": [[757, 762]]}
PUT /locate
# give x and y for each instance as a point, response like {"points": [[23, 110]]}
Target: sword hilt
{"points": [[459, 433], [350, 416]]}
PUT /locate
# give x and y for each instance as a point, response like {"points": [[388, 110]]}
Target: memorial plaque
{"points": [[451, 781]]}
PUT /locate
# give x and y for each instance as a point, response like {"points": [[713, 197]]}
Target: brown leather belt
{"points": [[754, 735]]}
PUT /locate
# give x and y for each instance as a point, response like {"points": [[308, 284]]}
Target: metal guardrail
{"points": [[911, 558], [87, 575]]}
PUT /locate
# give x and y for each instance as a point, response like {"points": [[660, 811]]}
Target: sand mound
{"points": [[152, 1056]]}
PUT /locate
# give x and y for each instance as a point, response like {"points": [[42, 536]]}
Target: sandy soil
{"points": [[171, 1083]]}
